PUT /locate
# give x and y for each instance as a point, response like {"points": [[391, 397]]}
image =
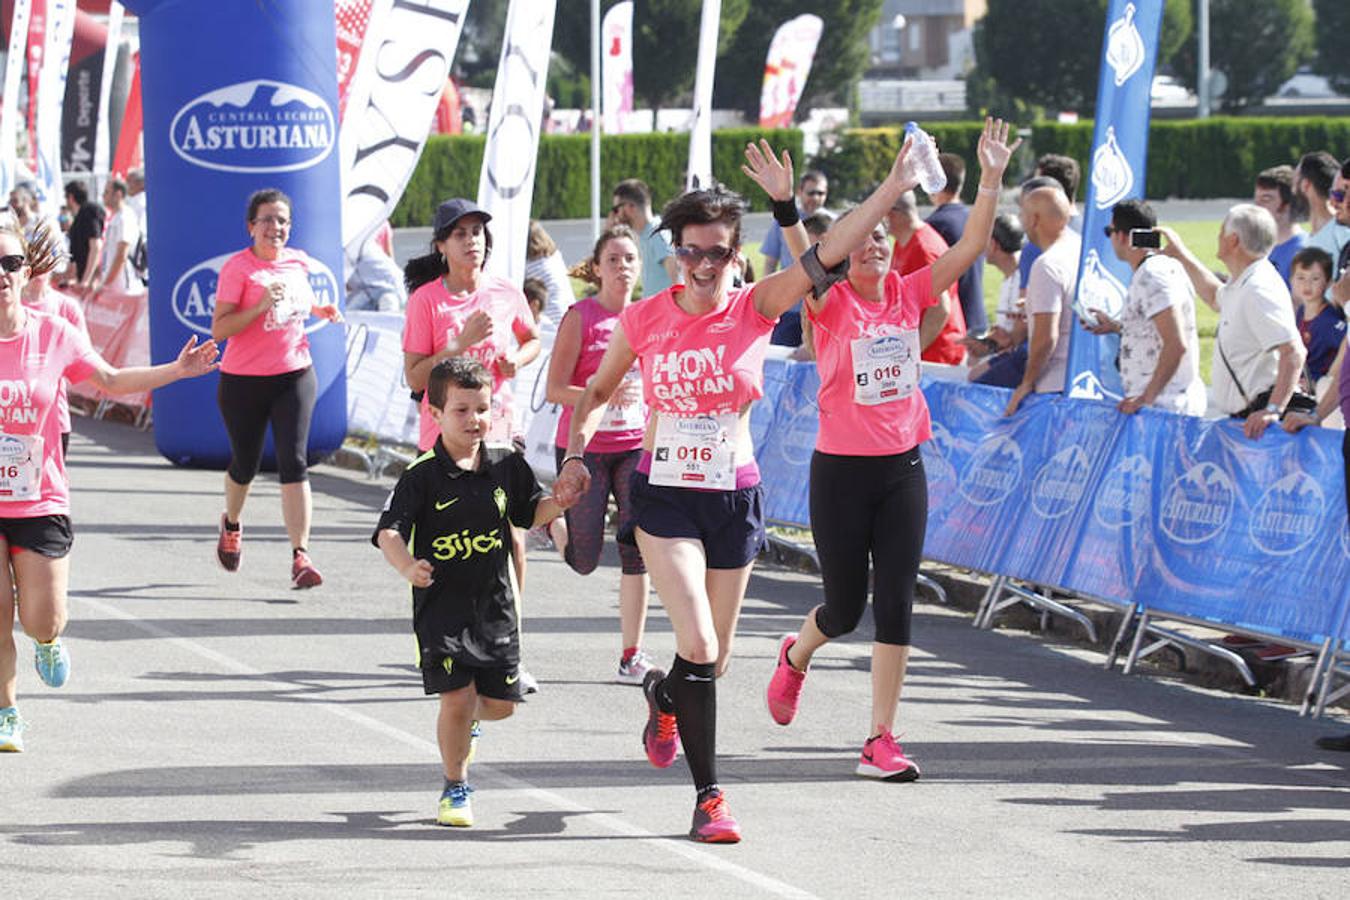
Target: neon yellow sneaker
{"points": [[456, 810]]}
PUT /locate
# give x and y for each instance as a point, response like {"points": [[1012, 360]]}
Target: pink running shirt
{"points": [[698, 364], [597, 325], [434, 315], [55, 303], [848, 428], [32, 364], [275, 342]]}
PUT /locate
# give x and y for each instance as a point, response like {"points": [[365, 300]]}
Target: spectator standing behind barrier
{"points": [[813, 189], [1340, 290], [544, 262], [1318, 174], [85, 236], [1002, 353], [1321, 324], [949, 219], [1159, 345], [121, 233], [374, 280], [1274, 193], [869, 494], [632, 206], [41, 352], [263, 299], [917, 244], [612, 455], [1050, 292], [1056, 169], [1258, 353]]}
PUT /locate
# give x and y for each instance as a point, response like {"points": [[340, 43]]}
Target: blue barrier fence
{"points": [[1183, 515]]}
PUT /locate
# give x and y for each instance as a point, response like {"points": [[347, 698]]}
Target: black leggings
{"points": [[249, 402], [861, 507]]}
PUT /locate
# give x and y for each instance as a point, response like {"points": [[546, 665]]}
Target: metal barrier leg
{"points": [[1138, 641], [1047, 605], [1125, 621], [984, 615], [1315, 679], [938, 592]]}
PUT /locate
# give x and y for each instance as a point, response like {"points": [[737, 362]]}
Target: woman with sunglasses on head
{"points": [[696, 496], [263, 300], [38, 354], [457, 309], [612, 455], [869, 495]]}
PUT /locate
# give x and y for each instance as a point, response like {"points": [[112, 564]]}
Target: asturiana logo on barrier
{"points": [[255, 126], [993, 472], [1287, 516], [1123, 496], [194, 294], [1060, 483], [1199, 504]]}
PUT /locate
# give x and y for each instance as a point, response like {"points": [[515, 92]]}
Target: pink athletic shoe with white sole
{"points": [[883, 758], [785, 686]]}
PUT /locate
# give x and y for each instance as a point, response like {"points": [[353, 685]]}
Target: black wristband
{"points": [[785, 213], [821, 277]]}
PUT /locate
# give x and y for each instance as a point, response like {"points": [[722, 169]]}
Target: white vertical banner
{"points": [[506, 185], [51, 100], [700, 129], [616, 49], [103, 133], [786, 69], [391, 98], [9, 102]]}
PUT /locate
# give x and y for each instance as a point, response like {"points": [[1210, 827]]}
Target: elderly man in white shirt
{"points": [[1258, 353]]}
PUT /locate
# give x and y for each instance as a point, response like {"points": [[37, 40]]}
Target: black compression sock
{"points": [[693, 687]]}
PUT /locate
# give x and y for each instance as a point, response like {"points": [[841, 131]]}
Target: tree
{"points": [[1257, 46], [840, 57], [480, 45], [665, 43], [1333, 26], [1047, 53]]}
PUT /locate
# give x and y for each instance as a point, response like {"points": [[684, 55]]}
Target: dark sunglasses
{"points": [[1109, 230], [1338, 196], [817, 193], [716, 254], [13, 262]]}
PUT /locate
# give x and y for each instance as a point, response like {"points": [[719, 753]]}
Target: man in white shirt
{"points": [[1159, 344], [1045, 214], [1258, 348], [119, 236]]}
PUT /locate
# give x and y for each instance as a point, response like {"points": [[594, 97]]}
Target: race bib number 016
{"points": [[885, 369], [20, 467], [695, 451]]}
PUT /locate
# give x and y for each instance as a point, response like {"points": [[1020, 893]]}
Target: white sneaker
{"points": [[634, 669], [528, 683]]}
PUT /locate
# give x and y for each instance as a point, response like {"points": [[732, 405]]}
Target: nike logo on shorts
{"points": [[512, 679], [448, 503]]}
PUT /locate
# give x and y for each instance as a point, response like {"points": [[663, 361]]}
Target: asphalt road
{"points": [[223, 735]]}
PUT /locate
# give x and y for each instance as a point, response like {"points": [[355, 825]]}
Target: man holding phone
{"points": [[1159, 344]]}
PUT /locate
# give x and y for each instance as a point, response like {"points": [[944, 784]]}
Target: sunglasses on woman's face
{"points": [[13, 262], [1338, 196], [716, 254]]}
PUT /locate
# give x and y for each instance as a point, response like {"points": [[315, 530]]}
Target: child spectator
{"points": [[1321, 324], [536, 295], [445, 529]]}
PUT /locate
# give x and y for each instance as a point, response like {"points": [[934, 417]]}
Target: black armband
{"points": [[785, 213], [821, 278]]}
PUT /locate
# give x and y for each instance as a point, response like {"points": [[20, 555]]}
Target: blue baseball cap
{"points": [[451, 211]]}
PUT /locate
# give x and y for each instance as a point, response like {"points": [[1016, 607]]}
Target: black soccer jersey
{"points": [[459, 521]]}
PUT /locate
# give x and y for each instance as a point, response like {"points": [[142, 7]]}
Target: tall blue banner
{"points": [[239, 95], [1119, 157]]}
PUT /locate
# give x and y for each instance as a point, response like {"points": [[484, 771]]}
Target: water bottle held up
{"points": [[922, 163]]}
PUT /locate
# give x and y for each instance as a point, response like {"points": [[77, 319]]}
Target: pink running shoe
{"points": [[713, 823], [785, 687], [883, 758], [229, 546], [303, 573], [661, 736]]}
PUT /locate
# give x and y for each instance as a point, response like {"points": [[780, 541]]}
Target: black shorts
{"points": [[49, 536], [499, 683], [729, 523]]}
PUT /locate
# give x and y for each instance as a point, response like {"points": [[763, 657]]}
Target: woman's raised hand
{"points": [[994, 151], [194, 359], [774, 175]]}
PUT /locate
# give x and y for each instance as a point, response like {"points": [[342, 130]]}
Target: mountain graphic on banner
{"points": [[1286, 517]]}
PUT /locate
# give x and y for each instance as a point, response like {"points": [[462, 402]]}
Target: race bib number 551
{"points": [[695, 451]]}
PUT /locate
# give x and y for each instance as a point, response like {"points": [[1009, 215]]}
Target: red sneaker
{"points": [[785, 685], [661, 735], [713, 823], [303, 573], [229, 546]]}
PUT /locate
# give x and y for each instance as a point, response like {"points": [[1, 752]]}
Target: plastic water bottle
{"points": [[922, 164]]}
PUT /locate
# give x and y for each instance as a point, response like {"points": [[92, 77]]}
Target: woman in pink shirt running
{"points": [[263, 301], [45, 249], [38, 353], [869, 494]]}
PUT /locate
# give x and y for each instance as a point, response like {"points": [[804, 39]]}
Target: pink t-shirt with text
{"points": [[597, 325], [848, 428], [435, 315], [698, 364], [32, 366], [275, 342], [64, 306]]}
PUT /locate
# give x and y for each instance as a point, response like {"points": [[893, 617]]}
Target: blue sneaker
{"points": [[11, 730], [53, 662], [456, 810]]}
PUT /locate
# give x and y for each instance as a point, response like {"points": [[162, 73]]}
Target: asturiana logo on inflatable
{"points": [[194, 294], [1199, 504], [255, 126]]}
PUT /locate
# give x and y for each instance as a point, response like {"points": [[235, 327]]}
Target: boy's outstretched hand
{"points": [[419, 573]]}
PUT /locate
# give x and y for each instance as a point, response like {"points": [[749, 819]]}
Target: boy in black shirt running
{"points": [[445, 528]]}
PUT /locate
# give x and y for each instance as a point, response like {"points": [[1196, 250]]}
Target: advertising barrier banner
{"points": [[119, 329]]}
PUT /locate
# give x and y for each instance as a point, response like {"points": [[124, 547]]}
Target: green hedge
{"points": [[450, 166]]}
